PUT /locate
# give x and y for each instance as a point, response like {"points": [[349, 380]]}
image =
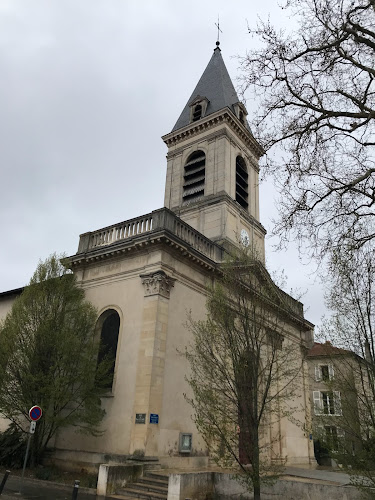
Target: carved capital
{"points": [[158, 283]]}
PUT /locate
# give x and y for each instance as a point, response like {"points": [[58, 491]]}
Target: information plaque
{"points": [[140, 418], [154, 418]]}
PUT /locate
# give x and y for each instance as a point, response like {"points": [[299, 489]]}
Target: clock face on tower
{"points": [[245, 240]]}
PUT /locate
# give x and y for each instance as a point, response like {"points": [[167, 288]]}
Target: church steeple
{"points": [[216, 87], [212, 172]]}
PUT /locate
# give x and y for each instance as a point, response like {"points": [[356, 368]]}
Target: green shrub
{"points": [[12, 447], [43, 473]]}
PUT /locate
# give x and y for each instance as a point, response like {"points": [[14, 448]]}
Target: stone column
{"points": [[151, 359]]}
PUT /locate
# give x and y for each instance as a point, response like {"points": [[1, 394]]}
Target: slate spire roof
{"points": [[215, 84]]}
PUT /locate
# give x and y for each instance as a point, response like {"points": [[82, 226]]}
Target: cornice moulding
{"points": [[223, 115]]}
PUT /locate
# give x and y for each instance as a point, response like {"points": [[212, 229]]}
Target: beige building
{"points": [[338, 386], [144, 274]]}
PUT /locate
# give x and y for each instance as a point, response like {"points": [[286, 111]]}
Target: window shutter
{"points": [[194, 177], [318, 373], [331, 372], [318, 404], [242, 182], [337, 402]]}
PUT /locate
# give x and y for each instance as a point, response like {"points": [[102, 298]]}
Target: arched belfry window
{"points": [[194, 177], [109, 324], [241, 182], [197, 112]]}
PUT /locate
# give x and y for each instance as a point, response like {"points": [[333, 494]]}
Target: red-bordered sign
{"points": [[35, 413]]}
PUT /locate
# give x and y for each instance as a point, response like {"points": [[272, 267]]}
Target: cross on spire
{"points": [[218, 31]]}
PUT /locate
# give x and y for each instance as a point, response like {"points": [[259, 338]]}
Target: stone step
{"points": [[149, 487], [156, 475], [133, 492], [153, 481], [113, 496], [152, 466]]}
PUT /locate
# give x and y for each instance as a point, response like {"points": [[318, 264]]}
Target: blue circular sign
{"points": [[35, 413]]}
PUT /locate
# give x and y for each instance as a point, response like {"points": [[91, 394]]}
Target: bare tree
{"points": [[316, 120], [245, 370]]}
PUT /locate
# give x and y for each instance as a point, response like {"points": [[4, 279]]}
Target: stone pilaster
{"points": [[151, 359]]}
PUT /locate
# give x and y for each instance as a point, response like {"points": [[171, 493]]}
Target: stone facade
{"points": [[153, 269], [338, 384]]}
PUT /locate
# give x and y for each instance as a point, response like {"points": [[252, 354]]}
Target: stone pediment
{"points": [[198, 99]]}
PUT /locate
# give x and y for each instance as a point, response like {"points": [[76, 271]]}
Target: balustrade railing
{"points": [[294, 304], [120, 231], [157, 220]]}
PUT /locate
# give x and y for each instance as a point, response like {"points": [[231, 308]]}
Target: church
{"points": [[144, 274]]}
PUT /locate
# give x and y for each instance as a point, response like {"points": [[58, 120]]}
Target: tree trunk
{"points": [[256, 491], [256, 471]]}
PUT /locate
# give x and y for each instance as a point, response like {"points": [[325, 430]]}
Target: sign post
{"points": [[35, 413], [7, 472]]}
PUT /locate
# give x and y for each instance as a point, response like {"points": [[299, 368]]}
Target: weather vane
{"points": [[218, 31]]}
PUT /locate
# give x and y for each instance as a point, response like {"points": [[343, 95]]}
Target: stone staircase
{"points": [[153, 486]]}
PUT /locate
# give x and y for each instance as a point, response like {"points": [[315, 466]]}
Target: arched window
{"points": [[241, 182], [197, 112], [194, 177], [109, 324]]}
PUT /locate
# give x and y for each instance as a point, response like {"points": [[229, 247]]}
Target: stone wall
{"points": [[113, 477], [220, 486], [197, 486]]}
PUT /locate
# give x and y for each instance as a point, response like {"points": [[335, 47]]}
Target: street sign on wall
{"points": [[154, 418]]}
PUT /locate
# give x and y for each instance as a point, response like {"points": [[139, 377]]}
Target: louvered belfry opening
{"points": [[194, 177], [197, 113], [241, 182]]}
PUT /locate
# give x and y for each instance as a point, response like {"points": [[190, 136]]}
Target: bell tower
{"points": [[212, 163]]}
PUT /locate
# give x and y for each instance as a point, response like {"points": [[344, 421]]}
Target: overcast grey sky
{"points": [[87, 88]]}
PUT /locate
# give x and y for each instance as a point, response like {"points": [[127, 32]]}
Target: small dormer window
{"points": [[198, 108], [240, 112], [197, 113]]}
